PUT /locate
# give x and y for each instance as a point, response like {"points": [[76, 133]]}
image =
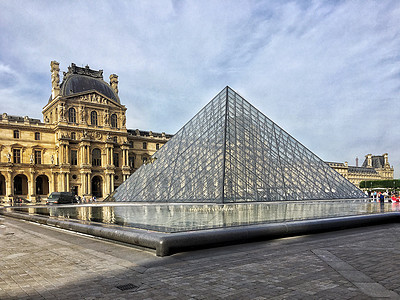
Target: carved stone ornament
{"points": [[74, 69], [93, 98]]}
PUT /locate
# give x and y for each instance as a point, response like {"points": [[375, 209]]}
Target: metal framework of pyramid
{"points": [[231, 152]]}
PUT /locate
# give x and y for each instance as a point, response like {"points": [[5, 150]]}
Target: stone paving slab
{"points": [[38, 262]]}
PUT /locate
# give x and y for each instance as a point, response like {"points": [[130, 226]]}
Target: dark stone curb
{"points": [[169, 243]]}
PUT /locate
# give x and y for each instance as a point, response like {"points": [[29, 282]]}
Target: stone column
{"points": [[89, 184], [67, 154], [31, 185], [60, 154], [111, 155], [67, 187], [107, 155], [61, 182], [9, 185], [52, 183]]}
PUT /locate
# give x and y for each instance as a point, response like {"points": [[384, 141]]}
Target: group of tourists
{"points": [[381, 196], [80, 199]]}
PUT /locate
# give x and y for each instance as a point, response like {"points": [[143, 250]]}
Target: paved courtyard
{"points": [[39, 262]]}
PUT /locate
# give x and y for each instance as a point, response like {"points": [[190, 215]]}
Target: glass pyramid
{"points": [[231, 152]]}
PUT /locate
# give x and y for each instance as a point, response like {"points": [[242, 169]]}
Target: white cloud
{"points": [[326, 71]]}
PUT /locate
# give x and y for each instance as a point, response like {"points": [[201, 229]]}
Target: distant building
{"points": [[375, 167], [82, 145]]}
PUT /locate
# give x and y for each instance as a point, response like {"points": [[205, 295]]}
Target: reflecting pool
{"points": [[187, 217]]}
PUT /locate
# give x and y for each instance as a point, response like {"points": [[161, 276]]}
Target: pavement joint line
{"points": [[281, 269], [367, 285]]}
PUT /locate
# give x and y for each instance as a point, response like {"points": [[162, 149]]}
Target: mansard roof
{"points": [[378, 161]]}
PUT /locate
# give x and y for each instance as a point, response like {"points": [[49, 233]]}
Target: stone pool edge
{"points": [[169, 243]]}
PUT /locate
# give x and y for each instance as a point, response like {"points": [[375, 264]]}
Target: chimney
{"points": [[114, 82], [369, 160], [385, 156], [356, 161], [55, 79]]}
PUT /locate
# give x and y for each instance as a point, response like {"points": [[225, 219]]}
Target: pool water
{"points": [[188, 217]]}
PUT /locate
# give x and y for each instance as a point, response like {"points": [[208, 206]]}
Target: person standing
{"points": [[382, 198]]}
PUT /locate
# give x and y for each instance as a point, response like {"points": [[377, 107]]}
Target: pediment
{"points": [[95, 97]]}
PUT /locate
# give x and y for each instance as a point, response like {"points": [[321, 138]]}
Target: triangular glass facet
{"points": [[231, 152]]}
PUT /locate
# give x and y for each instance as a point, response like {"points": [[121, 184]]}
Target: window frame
{"points": [[38, 157], [131, 160], [74, 160], [16, 156], [96, 161], [93, 118], [116, 159], [16, 134], [37, 136], [114, 121], [71, 115]]}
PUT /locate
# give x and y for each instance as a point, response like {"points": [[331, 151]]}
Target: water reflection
{"points": [[186, 217]]}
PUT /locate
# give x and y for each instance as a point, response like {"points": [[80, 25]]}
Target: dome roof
{"points": [[78, 80]]}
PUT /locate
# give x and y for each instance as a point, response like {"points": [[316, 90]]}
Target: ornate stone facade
{"points": [[375, 167], [82, 145]]}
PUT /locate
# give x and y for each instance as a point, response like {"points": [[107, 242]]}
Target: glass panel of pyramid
{"points": [[231, 152]]}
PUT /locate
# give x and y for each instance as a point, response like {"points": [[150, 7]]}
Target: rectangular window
{"points": [[17, 156], [16, 134], [116, 160], [74, 157], [144, 145], [157, 146], [37, 136], [131, 161], [38, 157]]}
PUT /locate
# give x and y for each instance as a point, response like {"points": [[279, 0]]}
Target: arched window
{"points": [[96, 157], [93, 118], [73, 136], [72, 115], [114, 121]]}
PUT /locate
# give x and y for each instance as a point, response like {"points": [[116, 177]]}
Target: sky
{"points": [[328, 72]]}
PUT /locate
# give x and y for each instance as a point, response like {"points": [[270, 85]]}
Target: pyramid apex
{"points": [[231, 152]]}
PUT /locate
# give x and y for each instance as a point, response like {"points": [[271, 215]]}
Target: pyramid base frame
{"points": [[166, 244]]}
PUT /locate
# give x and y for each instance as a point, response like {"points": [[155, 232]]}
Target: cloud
{"points": [[326, 71]]}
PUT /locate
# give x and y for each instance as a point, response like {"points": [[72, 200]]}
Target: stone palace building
{"points": [[374, 167], [81, 146]]}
